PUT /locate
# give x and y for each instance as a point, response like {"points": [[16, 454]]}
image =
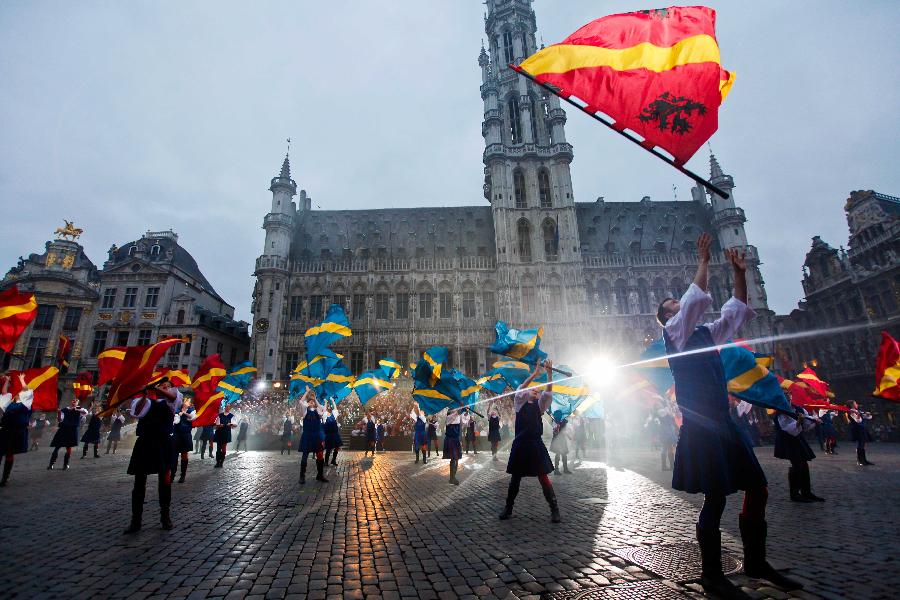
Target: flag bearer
{"points": [[181, 437], [468, 425], [528, 456], [420, 434], [14, 423], [313, 438], [791, 445], [243, 428], [152, 454], [115, 432], [859, 433], [332, 429], [452, 447], [224, 425], [494, 431], [371, 434], [92, 434], [287, 434], [559, 445], [432, 435], [713, 457], [207, 436], [66, 436]]}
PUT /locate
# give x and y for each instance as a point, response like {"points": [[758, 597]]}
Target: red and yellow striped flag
{"points": [[109, 362], [42, 381], [83, 385], [136, 372], [206, 399], [887, 369], [176, 377], [17, 311], [655, 72]]}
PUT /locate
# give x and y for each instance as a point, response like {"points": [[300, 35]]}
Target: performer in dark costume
{"points": [[287, 434], [152, 454], [713, 457], [432, 435], [243, 428], [224, 425], [14, 423], [468, 426], [38, 427], [791, 445], [371, 435], [181, 437], [579, 425], [333, 439], [207, 436], [313, 438], [92, 434], [66, 436], [859, 433], [559, 445], [494, 431], [420, 434], [828, 430], [115, 432], [528, 456], [379, 436], [452, 447]]}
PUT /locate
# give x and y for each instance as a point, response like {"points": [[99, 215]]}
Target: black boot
{"points": [[7, 468], [334, 457], [84, 454], [866, 460], [417, 457], [137, 510], [806, 489], [66, 461], [753, 536], [795, 486], [53, 456], [184, 464], [320, 470], [424, 459], [712, 576], [550, 496], [96, 451], [302, 473], [860, 457], [507, 512]]}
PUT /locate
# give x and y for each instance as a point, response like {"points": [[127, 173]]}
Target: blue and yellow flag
{"points": [[233, 384], [749, 378], [430, 368], [468, 388], [436, 386], [515, 372], [656, 368], [493, 381], [370, 384], [390, 367], [327, 375], [335, 327], [568, 396], [517, 344]]}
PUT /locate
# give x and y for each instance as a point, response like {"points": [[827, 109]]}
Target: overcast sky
{"points": [[129, 116]]}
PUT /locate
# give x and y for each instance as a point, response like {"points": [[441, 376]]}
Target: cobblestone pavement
{"points": [[390, 528]]}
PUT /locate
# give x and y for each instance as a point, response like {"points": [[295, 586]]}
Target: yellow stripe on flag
{"points": [[48, 373], [244, 371], [747, 379], [337, 328], [214, 372], [431, 394], [373, 381], [18, 309], [230, 388], [120, 354], [888, 379]]}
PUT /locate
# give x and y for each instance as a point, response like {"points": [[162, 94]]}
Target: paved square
{"points": [[389, 528]]}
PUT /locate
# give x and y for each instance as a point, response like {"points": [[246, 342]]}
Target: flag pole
{"points": [[708, 185]]}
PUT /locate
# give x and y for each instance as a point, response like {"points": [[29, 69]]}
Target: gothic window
{"points": [[402, 308], [179, 319], [643, 296], [381, 306], [468, 305], [446, 302], [659, 290], [488, 304], [296, 308], [524, 232], [528, 299], [426, 305], [678, 287], [515, 121], [551, 240], [533, 118], [315, 306], [72, 318], [508, 53], [519, 188], [99, 343], [340, 300], [621, 297], [715, 288], [359, 306], [604, 297], [470, 362], [356, 362], [544, 188]]}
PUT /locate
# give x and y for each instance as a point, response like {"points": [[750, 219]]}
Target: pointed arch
{"points": [[519, 188], [551, 239], [544, 193], [515, 119], [523, 231]]}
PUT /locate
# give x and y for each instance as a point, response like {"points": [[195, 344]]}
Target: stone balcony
{"points": [[729, 216], [362, 265], [524, 150], [278, 219], [271, 262]]}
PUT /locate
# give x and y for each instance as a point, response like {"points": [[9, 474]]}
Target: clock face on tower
{"points": [[262, 325]]}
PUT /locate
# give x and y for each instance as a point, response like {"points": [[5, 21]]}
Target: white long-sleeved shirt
{"points": [[794, 426], [420, 416], [522, 395], [453, 418], [694, 304], [26, 397], [174, 405], [188, 415]]}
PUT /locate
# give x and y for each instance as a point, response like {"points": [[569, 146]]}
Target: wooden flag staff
{"points": [[713, 188]]}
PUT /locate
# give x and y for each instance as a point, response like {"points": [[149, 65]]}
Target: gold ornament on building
{"points": [[68, 260], [51, 259], [69, 231]]}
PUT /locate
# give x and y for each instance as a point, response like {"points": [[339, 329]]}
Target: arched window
{"points": [[659, 290], [621, 297], [643, 296], [515, 120], [179, 320], [131, 250], [551, 240], [678, 287], [544, 188], [154, 250], [508, 53], [524, 231], [533, 118], [604, 297], [519, 188]]}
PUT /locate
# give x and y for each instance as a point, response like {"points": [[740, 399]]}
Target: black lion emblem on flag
{"points": [[672, 113]]}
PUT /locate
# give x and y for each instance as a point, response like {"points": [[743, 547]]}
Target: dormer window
{"points": [[131, 250], [155, 249]]}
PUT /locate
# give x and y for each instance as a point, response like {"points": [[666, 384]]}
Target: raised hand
{"points": [[737, 258], [704, 243]]}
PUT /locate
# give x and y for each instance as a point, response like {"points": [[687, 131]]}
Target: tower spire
{"points": [[286, 165], [715, 171]]}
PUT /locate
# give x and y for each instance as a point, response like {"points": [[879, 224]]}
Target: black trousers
{"points": [[140, 489]]}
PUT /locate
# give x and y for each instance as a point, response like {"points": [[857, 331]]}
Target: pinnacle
{"points": [[286, 168]]}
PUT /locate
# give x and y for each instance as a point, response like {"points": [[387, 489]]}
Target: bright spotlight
{"points": [[277, 384], [602, 372], [261, 386]]}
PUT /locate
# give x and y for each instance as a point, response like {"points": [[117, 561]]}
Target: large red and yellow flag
{"points": [[206, 399], [109, 362], [17, 311], [887, 369], [42, 381], [813, 382], [63, 349], [83, 385], [176, 377], [136, 372], [655, 72]]}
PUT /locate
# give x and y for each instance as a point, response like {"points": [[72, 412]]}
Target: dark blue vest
{"points": [[701, 389], [312, 422], [528, 421], [71, 417], [158, 421], [493, 425]]}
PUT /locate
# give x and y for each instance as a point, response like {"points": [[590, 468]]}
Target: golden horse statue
{"points": [[69, 231]]}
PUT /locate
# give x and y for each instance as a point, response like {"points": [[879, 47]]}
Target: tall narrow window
{"points": [[519, 188], [340, 300], [35, 352], [524, 231], [381, 306], [179, 318], [152, 298], [533, 118], [130, 297], [488, 304], [356, 362], [45, 316], [359, 306], [446, 302], [296, 308], [72, 319], [204, 347], [109, 297], [544, 188], [551, 240], [122, 338], [470, 362], [468, 305], [402, 308], [621, 297], [508, 53], [515, 121], [528, 304], [426, 305], [99, 343], [315, 307]]}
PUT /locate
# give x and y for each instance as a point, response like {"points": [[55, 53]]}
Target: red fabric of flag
{"points": [[206, 399], [17, 311], [62, 353], [887, 369], [109, 362], [83, 385], [42, 381], [811, 379], [136, 372]]}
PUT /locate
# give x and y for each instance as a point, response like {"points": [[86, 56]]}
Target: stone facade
{"points": [[857, 289], [148, 289], [592, 273]]}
